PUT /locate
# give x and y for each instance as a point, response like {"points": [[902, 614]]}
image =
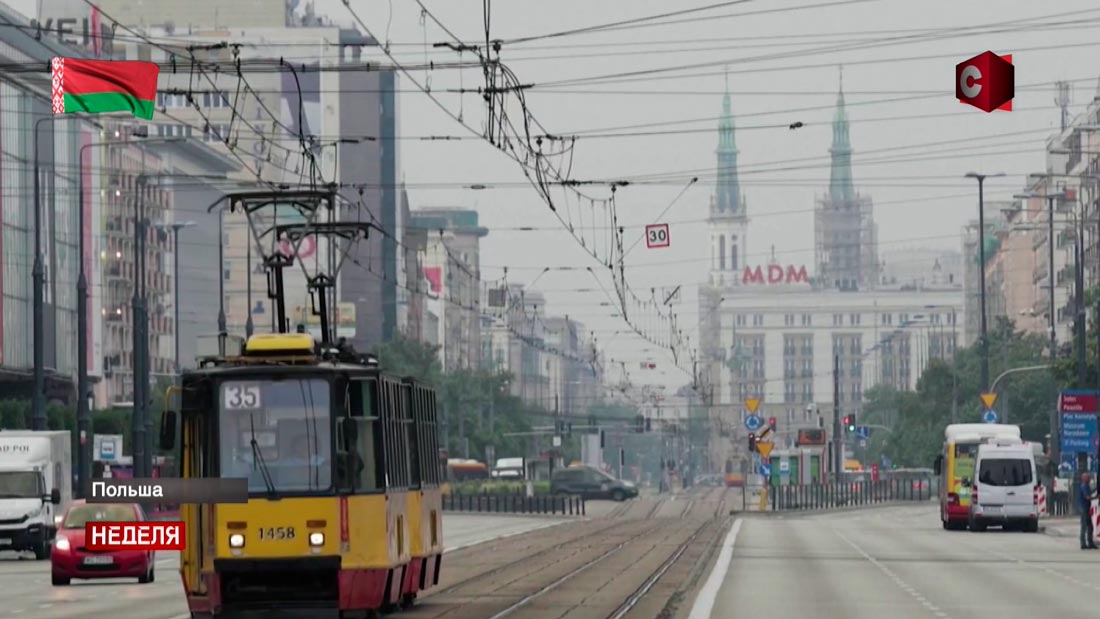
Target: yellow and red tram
{"points": [[341, 460]]}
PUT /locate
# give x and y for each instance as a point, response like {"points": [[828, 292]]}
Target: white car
{"points": [[1005, 491]]}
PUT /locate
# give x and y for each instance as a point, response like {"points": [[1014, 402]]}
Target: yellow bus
{"points": [[955, 467]]}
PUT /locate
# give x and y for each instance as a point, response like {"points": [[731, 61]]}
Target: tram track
{"points": [[525, 558], [619, 567], [527, 599]]}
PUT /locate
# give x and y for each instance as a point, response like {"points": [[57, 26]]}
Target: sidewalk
{"points": [[1061, 526]]}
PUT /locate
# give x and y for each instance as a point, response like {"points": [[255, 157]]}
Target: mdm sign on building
{"points": [[775, 274]]}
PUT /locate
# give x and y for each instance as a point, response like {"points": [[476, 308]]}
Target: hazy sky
{"points": [[899, 83], [921, 201]]}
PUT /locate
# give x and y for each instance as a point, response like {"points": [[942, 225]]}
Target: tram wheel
{"points": [[408, 600]]}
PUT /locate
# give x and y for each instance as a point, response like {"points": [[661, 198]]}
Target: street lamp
{"points": [[1097, 209], [981, 253], [142, 422], [1050, 258], [1079, 276], [175, 228], [954, 348], [38, 283], [83, 409]]}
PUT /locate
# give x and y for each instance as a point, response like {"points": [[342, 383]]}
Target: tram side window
{"points": [[409, 395], [364, 396], [429, 453], [397, 457], [396, 441], [426, 457]]}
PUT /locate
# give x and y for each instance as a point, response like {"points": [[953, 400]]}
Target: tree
{"points": [[476, 407], [1066, 370], [948, 388], [405, 356]]}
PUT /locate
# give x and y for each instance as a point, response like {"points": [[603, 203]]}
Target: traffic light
{"points": [[772, 423], [752, 442], [852, 423], [847, 423], [569, 428], [603, 440]]}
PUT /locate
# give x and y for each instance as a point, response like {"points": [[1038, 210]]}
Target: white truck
{"points": [[512, 469], [36, 485]]}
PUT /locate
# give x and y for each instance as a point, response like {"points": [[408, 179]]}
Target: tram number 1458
{"points": [[277, 533]]}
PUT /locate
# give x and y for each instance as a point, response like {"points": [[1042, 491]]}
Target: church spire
{"points": [[841, 188], [728, 191]]}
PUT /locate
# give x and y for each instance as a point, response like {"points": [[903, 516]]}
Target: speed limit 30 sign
{"points": [[656, 236]]}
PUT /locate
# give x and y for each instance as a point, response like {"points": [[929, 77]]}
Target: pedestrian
{"points": [[1084, 501]]}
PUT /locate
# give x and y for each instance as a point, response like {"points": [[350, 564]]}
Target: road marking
{"points": [[904, 586], [704, 602], [1037, 566]]}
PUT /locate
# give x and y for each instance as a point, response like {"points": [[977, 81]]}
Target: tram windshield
{"points": [[277, 431]]}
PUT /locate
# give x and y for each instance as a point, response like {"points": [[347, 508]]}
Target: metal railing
{"points": [[565, 505], [848, 494]]}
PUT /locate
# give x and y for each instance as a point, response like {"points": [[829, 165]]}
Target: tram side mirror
{"points": [[168, 430], [937, 465], [55, 496]]}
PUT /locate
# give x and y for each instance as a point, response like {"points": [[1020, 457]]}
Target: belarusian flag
{"points": [[101, 86]]}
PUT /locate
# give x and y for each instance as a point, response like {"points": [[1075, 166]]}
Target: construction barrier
{"points": [[848, 494], [565, 505]]}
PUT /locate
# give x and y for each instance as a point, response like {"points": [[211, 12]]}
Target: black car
{"points": [[591, 483]]}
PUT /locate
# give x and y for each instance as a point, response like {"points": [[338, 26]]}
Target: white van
{"points": [[1005, 488]]}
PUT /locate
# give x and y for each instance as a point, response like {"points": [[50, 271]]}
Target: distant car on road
{"points": [[591, 483], [71, 559]]}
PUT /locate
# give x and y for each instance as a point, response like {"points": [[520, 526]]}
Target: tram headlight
{"points": [[316, 539], [236, 540]]}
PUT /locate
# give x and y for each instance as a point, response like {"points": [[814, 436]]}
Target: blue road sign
{"points": [[766, 470], [754, 422], [863, 432], [990, 416]]}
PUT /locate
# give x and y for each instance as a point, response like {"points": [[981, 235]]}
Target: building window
{"points": [[854, 319], [838, 320], [806, 320], [887, 319], [721, 252], [788, 320], [733, 254], [758, 320]]}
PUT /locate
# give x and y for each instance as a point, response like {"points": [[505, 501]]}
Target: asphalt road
{"points": [[898, 562], [31, 596]]}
